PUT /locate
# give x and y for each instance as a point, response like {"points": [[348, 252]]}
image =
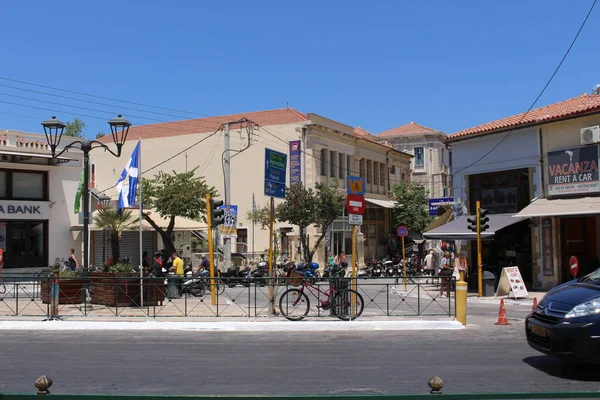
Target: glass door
{"points": [[25, 244]]}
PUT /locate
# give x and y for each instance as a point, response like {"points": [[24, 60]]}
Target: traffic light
{"points": [[472, 224], [483, 220], [217, 214]]}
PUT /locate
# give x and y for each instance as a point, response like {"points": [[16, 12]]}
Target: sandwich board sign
{"points": [[511, 281]]}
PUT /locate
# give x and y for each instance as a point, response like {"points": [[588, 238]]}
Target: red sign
{"points": [[574, 266], [355, 204], [402, 231]]}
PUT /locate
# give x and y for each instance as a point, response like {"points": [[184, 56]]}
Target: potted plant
{"points": [[69, 288]]}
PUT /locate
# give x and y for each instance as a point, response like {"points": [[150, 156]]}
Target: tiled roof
{"points": [[203, 125], [407, 129], [578, 105], [362, 133]]}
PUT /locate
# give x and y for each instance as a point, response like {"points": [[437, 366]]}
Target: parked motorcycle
{"points": [[236, 276]]}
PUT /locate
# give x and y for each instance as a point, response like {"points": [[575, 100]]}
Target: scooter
{"points": [[193, 286]]}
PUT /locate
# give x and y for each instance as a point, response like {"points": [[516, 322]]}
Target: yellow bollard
{"points": [[461, 302]]}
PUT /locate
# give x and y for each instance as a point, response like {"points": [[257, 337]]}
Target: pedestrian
{"points": [[446, 273], [72, 262], [157, 264], [429, 264], [460, 263], [177, 264], [343, 260]]}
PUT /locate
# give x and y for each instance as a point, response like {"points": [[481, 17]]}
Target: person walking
{"points": [[72, 262], [429, 264]]}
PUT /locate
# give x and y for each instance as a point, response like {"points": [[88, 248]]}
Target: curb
{"points": [[233, 326]]}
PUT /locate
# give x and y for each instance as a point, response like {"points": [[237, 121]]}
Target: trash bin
{"points": [[489, 281], [173, 282], [339, 284]]}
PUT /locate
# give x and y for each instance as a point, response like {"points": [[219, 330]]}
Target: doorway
{"points": [[25, 244]]}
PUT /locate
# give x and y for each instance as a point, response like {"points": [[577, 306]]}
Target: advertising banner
{"points": [[295, 162], [573, 171], [229, 227]]}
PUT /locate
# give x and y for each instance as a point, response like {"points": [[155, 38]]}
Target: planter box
{"points": [[69, 292], [123, 290]]}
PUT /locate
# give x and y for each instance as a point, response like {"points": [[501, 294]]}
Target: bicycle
{"points": [[341, 302], [2, 286]]}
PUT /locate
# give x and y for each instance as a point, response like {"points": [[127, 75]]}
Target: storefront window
{"points": [[27, 185], [504, 192]]}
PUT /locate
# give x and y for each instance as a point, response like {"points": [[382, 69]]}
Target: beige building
{"points": [[430, 165], [330, 152]]}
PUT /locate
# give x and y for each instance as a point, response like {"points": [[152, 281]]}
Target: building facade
{"points": [[328, 152], [430, 165]]}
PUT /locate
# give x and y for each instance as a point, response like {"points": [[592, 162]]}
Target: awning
{"points": [[12, 156], [446, 217], [457, 229], [560, 207], [381, 203]]}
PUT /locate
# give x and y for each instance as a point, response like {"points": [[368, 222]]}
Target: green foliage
{"points": [[175, 195], [260, 216], [100, 135], [305, 207], [411, 208], [75, 128], [115, 223], [67, 274], [121, 268]]}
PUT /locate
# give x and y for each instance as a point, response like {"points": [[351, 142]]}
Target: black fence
{"points": [[128, 295]]}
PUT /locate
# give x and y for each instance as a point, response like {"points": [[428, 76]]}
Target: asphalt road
{"points": [[481, 358]]}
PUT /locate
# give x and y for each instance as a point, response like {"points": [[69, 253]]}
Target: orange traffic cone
{"points": [[502, 315], [534, 304]]}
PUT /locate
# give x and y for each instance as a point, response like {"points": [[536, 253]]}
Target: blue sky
{"points": [[445, 64]]}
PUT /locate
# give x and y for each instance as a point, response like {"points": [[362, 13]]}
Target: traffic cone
{"points": [[534, 304], [502, 315]]}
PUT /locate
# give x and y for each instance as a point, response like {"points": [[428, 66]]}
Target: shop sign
{"points": [[17, 209], [547, 248], [434, 204], [573, 171]]}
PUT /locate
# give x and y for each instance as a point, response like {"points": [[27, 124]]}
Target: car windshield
{"points": [[594, 276]]}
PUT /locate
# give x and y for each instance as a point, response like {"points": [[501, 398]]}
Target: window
{"points": [[442, 157], [403, 177], [382, 174], [323, 162], [376, 173], [23, 185], [393, 170], [332, 164], [361, 166], [341, 165], [369, 171], [419, 159], [349, 166]]}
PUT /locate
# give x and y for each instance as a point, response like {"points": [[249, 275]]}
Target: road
{"points": [[482, 358]]}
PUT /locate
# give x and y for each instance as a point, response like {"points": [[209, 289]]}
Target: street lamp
{"points": [[53, 129]]}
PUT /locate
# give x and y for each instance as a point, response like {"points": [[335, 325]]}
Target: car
{"points": [[566, 323]]}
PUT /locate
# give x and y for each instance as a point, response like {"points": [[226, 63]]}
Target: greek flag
{"points": [[127, 183]]}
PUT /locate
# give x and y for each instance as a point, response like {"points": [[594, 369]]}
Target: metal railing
{"points": [[43, 385], [128, 295]]}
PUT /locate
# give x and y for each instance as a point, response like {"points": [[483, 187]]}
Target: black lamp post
{"points": [[53, 129]]}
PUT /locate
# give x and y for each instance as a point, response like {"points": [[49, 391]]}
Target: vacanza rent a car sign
{"points": [[573, 171]]}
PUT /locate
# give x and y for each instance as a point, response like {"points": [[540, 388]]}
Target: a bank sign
{"points": [[434, 204], [573, 171]]}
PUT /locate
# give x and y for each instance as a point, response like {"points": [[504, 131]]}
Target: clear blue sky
{"points": [[445, 64]]}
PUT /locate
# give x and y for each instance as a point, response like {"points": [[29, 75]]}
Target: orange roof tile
{"points": [[586, 103], [362, 133], [407, 129], [211, 124]]}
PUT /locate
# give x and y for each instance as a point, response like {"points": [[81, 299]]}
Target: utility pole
{"points": [[227, 175]]}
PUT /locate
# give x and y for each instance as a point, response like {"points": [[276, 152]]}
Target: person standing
{"points": [[460, 263], [429, 264], [177, 264], [72, 262]]}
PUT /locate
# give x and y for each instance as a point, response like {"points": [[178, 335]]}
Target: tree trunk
{"points": [[115, 248]]}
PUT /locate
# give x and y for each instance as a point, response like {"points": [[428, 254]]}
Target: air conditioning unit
{"points": [[590, 135]]}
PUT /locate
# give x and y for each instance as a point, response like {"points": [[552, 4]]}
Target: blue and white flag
{"points": [[127, 183]]}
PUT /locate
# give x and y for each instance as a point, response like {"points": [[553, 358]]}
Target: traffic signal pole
{"points": [[213, 294], [227, 190], [479, 261]]}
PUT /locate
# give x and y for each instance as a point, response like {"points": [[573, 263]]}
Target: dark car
{"points": [[566, 323]]}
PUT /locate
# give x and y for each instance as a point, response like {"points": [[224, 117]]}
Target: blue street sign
{"points": [[402, 231], [442, 201], [355, 185], [275, 173]]}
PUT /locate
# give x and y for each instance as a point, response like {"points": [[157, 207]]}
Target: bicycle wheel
{"points": [[342, 305], [2, 287], [294, 304]]}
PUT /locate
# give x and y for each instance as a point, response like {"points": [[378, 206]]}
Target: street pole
{"points": [[141, 213], [211, 259], [354, 262], [479, 262], [404, 263], [271, 287], [253, 222], [227, 174], [86, 207]]}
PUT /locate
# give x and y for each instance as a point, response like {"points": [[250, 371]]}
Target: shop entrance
{"points": [[580, 240], [24, 243]]}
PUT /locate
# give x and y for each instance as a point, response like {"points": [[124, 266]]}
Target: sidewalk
{"points": [[473, 298]]}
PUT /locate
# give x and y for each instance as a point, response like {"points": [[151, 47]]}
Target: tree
{"points": [[175, 195], [411, 208], [305, 207], [100, 135], [262, 217], [75, 128], [115, 223]]}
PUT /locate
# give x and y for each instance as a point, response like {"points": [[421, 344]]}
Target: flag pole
{"points": [[141, 213]]}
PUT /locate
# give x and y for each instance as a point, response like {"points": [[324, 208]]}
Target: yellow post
{"points": [[213, 293], [404, 264], [354, 263], [271, 288], [461, 302], [479, 262]]}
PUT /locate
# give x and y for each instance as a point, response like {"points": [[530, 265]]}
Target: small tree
{"points": [[411, 208], [76, 128], [305, 207], [262, 217], [175, 195], [100, 135], [115, 223]]}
